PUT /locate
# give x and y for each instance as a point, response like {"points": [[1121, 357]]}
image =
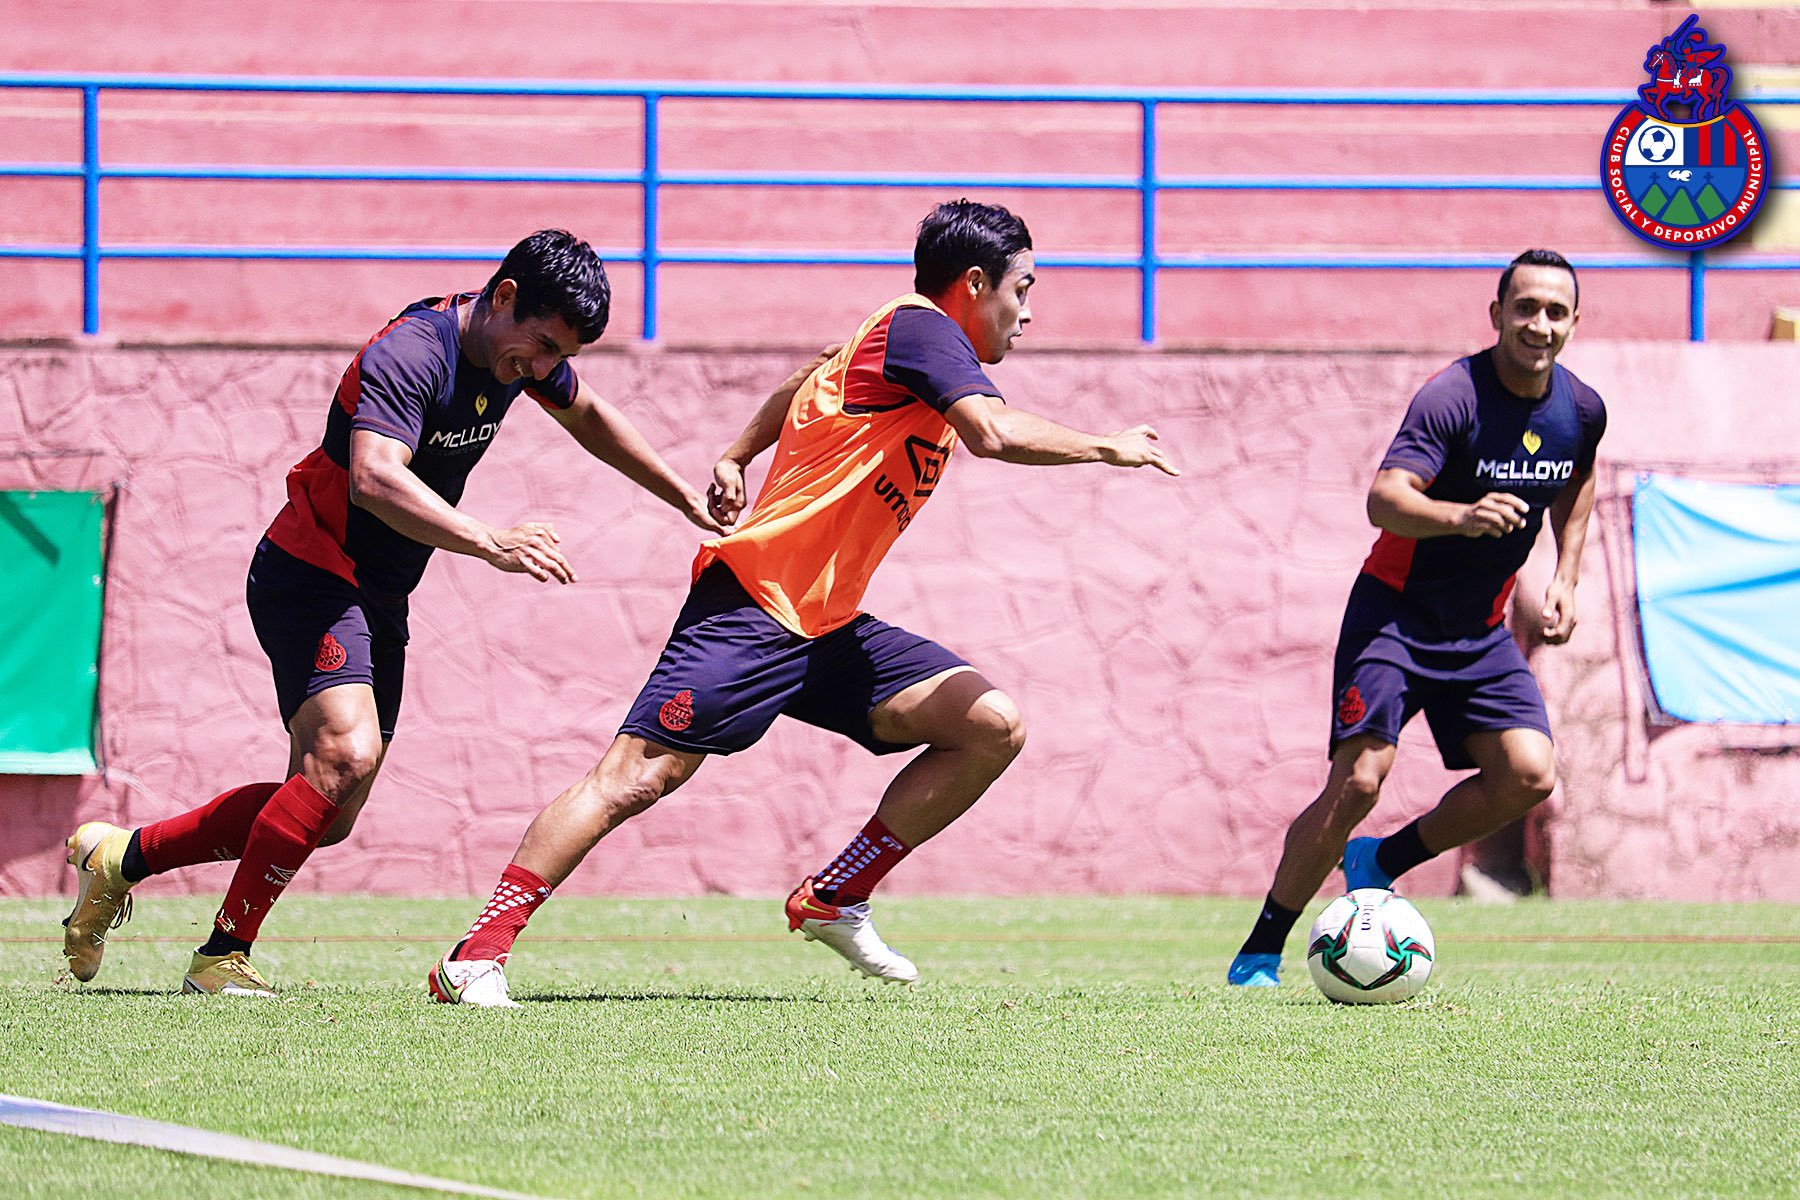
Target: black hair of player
{"points": [[556, 272], [961, 234], [1539, 258]]}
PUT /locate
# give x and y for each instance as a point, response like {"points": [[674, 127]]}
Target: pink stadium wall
{"points": [[1346, 44], [1168, 640]]}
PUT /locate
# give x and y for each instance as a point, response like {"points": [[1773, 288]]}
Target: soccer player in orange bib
{"points": [[773, 622]]}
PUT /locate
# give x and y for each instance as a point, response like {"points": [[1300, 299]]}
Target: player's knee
{"points": [[1532, 783], [636, 796], [626, 792], [1000, 724], [1360, 790], [343, 759]]}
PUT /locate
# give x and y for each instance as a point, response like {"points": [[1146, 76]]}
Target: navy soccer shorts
{"points": [[1380, 682], [730, 669], [320, 631]]}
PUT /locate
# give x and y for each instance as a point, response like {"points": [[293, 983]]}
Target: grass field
{"points": [[1055, 1048]]}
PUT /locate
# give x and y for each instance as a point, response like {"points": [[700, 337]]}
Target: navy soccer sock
{"points": [[1400, 852], [1273, 924]]}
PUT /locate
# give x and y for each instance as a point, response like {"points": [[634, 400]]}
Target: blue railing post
{"points": [[1697, 296], [1147, 225], [90, 209], [652, 183]]}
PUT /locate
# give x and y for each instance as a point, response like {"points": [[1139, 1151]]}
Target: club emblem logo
{"points": [[1351, 708], [331, 655], [1685, 166], [677, 713]]}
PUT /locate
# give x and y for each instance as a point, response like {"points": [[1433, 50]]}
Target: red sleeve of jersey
{"points": [[388, 387], [558, 391]]}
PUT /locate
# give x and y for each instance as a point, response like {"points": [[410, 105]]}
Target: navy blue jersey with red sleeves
{"points": [[1466, 436], [923, 355], [411, 383]]}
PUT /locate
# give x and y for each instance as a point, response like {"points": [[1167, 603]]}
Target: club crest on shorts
{"points": [[331, 655], [1351, 708], [677, 713], [1685, 166]]}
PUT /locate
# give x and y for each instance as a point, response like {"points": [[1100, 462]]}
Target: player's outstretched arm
{"points": [[992, 429], [725, 497], [1398, 504], [608, 435], [381, 484], [1569, 523]]}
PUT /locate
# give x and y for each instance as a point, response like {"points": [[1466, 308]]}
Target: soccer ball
{"points": [[1370, 947], [1657, 142]]}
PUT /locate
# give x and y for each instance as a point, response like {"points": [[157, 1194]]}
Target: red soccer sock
{"points": [[284, 833], [214, 832], [854, 873], [515, 898]]}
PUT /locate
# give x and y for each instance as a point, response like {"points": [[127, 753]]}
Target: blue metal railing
{"points": [[1148, 182]]}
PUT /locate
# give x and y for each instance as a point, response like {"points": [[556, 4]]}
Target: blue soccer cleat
{"points": [[1360, 868], [1255, 970]]}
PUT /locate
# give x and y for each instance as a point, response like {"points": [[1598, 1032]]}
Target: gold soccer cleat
{"points": [[226, 975], [103, 899]]}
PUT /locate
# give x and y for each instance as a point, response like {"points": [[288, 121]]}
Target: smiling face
{"points": [[995, 314], [514, 349], [1534, 321]]}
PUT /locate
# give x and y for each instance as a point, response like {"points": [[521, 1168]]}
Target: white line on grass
{"points": [[182, 1139]]}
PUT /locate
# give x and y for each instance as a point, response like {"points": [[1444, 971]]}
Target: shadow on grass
{"points": [[707, 997]]}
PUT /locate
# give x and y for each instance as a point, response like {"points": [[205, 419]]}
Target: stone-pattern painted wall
{"points": [[1168, 640]]}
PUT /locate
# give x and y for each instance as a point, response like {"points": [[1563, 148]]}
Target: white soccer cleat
{"points": [[848, 929], [477, 981]]}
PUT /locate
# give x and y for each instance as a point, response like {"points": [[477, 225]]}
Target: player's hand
{"points": [[697, 509], [1559, 613], [530, 549], [1136, 447], [725, 495], [1494, 515]]}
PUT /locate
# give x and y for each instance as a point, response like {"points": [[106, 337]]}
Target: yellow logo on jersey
{"points": [[481, 411], [1532, 442]]}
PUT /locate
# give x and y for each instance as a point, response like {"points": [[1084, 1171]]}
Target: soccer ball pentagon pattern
{"points": [[1370, 947], [1657, 142]]}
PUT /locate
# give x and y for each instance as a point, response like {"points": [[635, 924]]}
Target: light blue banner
{"points": [[1718, 581]]}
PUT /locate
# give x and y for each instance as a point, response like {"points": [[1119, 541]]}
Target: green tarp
{"points": [[50, 590]]}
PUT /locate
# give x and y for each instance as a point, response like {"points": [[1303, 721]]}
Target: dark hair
{"points": [[963, 234], [557, 272], [1539, 258]]}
